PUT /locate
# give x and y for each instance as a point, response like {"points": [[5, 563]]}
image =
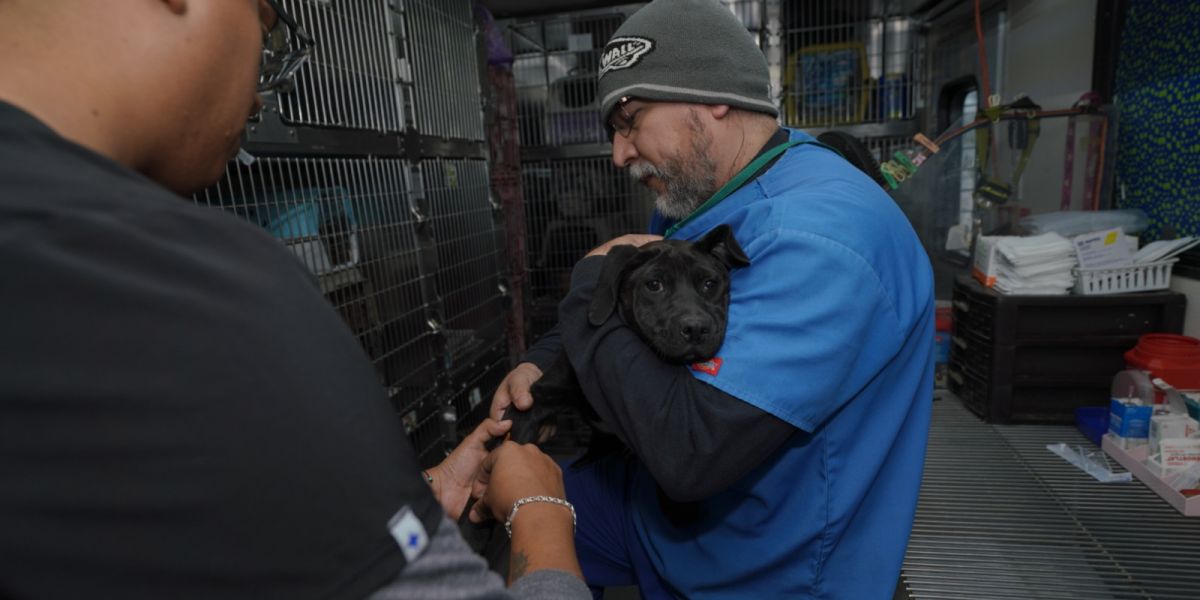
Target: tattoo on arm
{"points": [[518, 564]]}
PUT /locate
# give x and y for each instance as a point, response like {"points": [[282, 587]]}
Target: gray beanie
{"points": [[685, 51]]}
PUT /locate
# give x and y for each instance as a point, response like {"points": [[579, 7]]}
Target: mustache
{"points": [[641, 170]]}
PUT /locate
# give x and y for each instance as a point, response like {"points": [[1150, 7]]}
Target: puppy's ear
{"points": [[720, 243], [608, 289]]}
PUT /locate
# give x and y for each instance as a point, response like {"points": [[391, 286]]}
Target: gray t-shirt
{"points": [[448, 570]]}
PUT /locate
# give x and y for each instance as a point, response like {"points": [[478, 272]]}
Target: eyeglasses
{"points": [[621, 121], [285, 47]]}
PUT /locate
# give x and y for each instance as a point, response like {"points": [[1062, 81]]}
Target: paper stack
{"points": [[1038, 265], [1164, 250]]}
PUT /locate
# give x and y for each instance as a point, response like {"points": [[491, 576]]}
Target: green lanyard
{"points": [[742, 177]]}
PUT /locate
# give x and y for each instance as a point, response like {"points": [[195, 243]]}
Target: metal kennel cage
{"points": [[571, 206], [848, 62], [574, 198], [555, 61], [371, 169], [851, 65], [354, 77], [444, 57], [350, 222]]}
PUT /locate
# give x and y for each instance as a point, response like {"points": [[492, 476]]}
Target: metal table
{"points": [[1000, 516]]}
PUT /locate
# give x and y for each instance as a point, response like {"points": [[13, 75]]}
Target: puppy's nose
{"points": [[694, 330]]}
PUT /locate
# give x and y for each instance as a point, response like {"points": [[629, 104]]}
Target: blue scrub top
{"points": [[830, 329]]}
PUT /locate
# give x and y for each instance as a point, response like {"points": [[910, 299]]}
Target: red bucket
{"points": [[1173, 358]]}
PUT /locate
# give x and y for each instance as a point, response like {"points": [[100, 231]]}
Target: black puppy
{"points": [[674, 294]]}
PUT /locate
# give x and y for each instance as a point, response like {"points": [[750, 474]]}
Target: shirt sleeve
{"points": [[690, 435], [811, 324], [546, 349], [448, 570]]}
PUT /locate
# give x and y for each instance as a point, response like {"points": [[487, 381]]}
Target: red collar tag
{"points": [[712, 366]]}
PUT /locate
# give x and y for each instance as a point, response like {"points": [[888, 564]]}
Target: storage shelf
{"points": [[1037, 358]]}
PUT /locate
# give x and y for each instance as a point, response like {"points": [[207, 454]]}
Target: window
{"points": [[958, 104], [966, 173]]}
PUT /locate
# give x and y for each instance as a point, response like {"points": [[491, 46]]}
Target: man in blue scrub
{"points": [[789, 466]]}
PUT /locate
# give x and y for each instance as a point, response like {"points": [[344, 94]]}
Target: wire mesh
{"points": [[844, 62], [882, 148], [467, 240], [752, 14], [445, 68], [407, 252], [351, 79], [571, 206], [1000, 516], [424, 423], [348, 221], [555, 61], [848, 61], [473, 399]]}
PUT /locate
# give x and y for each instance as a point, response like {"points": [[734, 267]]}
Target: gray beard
{"points": [[690, 177], [683, 194]]}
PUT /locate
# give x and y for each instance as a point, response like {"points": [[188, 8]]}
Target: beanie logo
{"points": [[624, 52]]}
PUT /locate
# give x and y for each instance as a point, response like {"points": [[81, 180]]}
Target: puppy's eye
{"points": [[710, 284], [654, 285]]}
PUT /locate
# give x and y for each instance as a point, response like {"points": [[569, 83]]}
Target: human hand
{"points": [[452, 478], [629, 239], [514, 390], [511, 472]]}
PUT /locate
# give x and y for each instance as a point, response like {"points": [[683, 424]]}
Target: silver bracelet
{"points": [[523, 501]]}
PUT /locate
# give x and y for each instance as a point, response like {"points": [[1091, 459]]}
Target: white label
{"points": [[1180, 453], [624, 52], [1103, 249], [409, 533]]}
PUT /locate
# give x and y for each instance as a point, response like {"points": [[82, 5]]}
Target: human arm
{"points": [[692, 436], [542, 564], [451, 479], [448, 570], [629, 239], [514, 389], [542, 533], [805, 336]]}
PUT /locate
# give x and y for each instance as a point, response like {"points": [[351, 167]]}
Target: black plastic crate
{"points": [[973, 310], [1035, 362], [972, 390], [1009, 320], [971, 351], [1034, 359], [1050, 402], [1040, 360], [1029, 399]]}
